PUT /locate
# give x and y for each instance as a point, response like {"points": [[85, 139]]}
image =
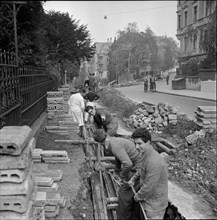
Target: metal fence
{"points": [[23, 91]]}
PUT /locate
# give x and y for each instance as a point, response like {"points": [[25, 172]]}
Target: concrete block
{"points": [[21, 161], [11, 215], [17, 188], [50, 208], [53, 188], [52, 153], [43, 181], [14, 139], [56, 175], [15, 175], [40, 199], [53, 198], [53, 214], [17, 203]]}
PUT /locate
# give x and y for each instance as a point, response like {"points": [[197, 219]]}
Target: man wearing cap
{"points": [[127, 162], [103, 120]]}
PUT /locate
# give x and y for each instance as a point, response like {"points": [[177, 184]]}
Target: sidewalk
{"points": [[164, 88]]}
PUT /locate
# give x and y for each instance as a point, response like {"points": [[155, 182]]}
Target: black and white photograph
{"points": [[108, 110]]}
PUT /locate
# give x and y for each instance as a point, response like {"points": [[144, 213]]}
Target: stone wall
{"points": [[192, 83], [208, 86]]}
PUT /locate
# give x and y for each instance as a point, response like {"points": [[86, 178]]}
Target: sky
{"points": [[160, 16]]}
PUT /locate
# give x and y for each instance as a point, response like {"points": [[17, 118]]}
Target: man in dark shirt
{"points": [[91, 96], [103, 120]]}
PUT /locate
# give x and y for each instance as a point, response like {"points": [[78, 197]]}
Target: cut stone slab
{"points": [[53, 198], [14, 175], [52, 153], [43, 181], [17, 203], [14, 139], [53, 188], [10, 215], [17, 188], [189, 205], [52, 214], [40, 199], [50, 208], [56, 175]]}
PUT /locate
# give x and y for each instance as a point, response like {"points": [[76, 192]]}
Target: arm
{"points": [[125, 161], [149, 183]]}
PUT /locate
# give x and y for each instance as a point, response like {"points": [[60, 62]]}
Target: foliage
{"points": [[208, 36], [28, 17], [190, 67], [168, 51], [54, 39]]}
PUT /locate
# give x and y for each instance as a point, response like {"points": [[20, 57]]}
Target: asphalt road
{"points": [[186, 105]]}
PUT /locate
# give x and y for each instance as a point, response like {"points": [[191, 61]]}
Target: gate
{"points": [[23, 91]]}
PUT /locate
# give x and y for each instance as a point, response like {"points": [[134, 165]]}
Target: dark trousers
{"points": [[128, 209]]}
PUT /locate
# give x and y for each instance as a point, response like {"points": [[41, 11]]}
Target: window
{"points": [[179, 21], [185, 43], [186, 18], [194, 42], [195, 14]]}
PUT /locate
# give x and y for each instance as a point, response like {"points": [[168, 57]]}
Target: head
{"points": [[90, 110], [142, 139], [99, 136]]}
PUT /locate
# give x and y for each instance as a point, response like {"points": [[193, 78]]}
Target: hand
{"points": [[131, 182], [135, 199]]}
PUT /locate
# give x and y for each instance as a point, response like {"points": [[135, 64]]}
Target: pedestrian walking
{"points": [[152, 176], [103, 120], [167, 78], [152, 83], [76, 109], [145, 83]]}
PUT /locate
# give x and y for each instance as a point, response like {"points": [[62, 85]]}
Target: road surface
{"points": [[186, 105]]}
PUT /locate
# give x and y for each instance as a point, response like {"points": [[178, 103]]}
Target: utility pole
{"points": [[15, 23]]}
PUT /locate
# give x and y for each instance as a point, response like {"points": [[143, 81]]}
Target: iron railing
{"points": [[23, 91]]}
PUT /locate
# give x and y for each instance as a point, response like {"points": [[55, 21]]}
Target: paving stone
{"points": [[52, 214], [14, 175], [11, 215], [17, 203], [17, 188], [53, 188], [40, 199], [43, 181], [14, 139]]}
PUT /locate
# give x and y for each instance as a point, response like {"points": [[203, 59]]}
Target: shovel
{"points": [[140, 204]]}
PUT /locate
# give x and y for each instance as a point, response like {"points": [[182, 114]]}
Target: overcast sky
{"points": [[160, 16]]}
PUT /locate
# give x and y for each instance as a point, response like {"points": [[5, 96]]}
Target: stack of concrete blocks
{"points": [[54, 106], [50, 156], [48, 192], [58, 120], [17, 183], [66, 95], [206, 116]]}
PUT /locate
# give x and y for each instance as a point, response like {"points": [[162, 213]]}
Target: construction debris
{"points": [[154, 118], [192, 138]]}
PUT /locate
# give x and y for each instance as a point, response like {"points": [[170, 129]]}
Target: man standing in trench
{"points": [[152, 176]]}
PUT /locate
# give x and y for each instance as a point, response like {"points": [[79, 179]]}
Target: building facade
{"points": [[191, 15], [99, 62]]}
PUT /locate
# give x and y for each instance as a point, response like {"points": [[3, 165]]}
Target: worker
{"points": [[76, 109], [103, 120], [124, 151], [145, 83], [152, 176], [127, 162]]}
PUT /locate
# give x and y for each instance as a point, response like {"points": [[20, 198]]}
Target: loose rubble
{"points": [[154, 118]]}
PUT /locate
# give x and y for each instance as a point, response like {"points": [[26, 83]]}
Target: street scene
{"points": [[108, 110]]}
